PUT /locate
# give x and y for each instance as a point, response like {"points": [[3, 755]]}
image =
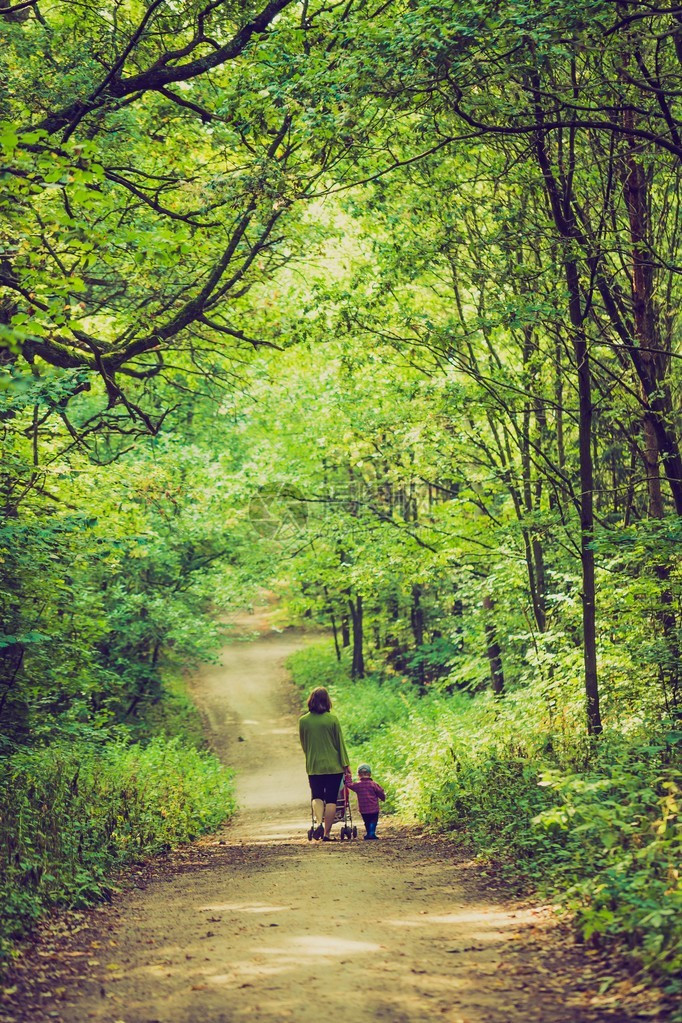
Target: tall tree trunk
{"points": [[358, 664], [493, 647], [533, 548], [539, 562], [594, 723], [636, 195], [544, 440], [559, 399], [561, 205], [654, 357], [332, 617], [653, 472], [417, 616], [337, 648]]}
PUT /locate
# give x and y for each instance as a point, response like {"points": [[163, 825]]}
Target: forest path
{"points": [[256, 923]]}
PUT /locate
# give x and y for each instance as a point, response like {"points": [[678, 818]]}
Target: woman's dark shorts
{"points": [[325, 786]]}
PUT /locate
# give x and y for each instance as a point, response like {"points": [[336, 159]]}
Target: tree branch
{"points": [[159, 75]]}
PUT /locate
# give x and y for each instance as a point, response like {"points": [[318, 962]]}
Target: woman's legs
{"points": [[329, 815], [324, 789], [318, 810]]}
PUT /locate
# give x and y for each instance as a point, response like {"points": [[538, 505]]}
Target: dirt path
{"points": [[258, 924]]}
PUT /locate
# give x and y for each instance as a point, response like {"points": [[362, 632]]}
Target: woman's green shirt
{"points": [[322, 742]]}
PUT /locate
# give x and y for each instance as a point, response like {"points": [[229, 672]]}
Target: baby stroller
{"points": [[343, 816]]}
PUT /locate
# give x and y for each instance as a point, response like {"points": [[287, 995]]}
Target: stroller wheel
{"points": [[310, 834], [355, 832], [343, 834]]}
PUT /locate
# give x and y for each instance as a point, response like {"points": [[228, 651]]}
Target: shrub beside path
{"points": [[257, 924]]}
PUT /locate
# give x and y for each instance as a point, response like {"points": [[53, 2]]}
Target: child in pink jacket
{"points": [[369, 793]]}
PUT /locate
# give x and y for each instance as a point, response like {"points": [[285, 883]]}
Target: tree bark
{"points": [[336, 636], [417, 616], [358, 664], [654, 357], [636, 195], [163, 72], [561, 205], [493, 647], [594, 723]]}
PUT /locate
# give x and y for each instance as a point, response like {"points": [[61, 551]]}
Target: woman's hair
{"points": [[319, 701]]}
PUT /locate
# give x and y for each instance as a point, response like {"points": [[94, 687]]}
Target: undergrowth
{"points": [[594, 825], [73, 811]]}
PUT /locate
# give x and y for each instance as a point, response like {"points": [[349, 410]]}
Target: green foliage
{"points": [[599, 830], [619, 828], [70, 812], [376, 702], [431, 661], [107, 571], [113, 568], [397, 200], [173, 715]]}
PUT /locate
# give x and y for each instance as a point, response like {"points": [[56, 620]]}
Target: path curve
{"points": [[258, 924]]}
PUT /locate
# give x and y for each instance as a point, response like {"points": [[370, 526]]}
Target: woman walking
{"points": [[326, 759]]}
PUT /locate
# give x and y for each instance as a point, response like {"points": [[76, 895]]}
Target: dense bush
{"points": [[112, 578], [598, 828], [71, 812]]}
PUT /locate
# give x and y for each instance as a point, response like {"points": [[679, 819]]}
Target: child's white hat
{"points": [[364, 769]]}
